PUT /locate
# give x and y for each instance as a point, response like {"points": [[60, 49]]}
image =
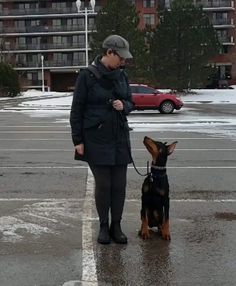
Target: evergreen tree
{"points": [[120, 17], [182, 46], [9, 82]]}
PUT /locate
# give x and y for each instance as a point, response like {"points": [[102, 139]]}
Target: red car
{"points": [[146, 97]]}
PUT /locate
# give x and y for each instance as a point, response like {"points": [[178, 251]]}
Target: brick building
{"points": [[223, 17], [51, 35]]}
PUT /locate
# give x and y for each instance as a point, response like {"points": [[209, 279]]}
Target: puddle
{"points": [[225, 216]]}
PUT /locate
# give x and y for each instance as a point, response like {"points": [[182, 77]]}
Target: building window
{"points": [[33, 59], [223, 36], [76, 23], [91, 23], [31, 23], [149, 19], [40, 75], [26, 6], [61, 58], [59, 40], [56, 22], [225, 49], [20, 59], [148, 3], [228, 71], [58, 5], [20, 24], [34, 77], [79, 40], [220, 19], [79, 58], [32, 41], [21, 41]]}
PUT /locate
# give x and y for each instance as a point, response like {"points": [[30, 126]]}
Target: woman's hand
{"points": [[80, 149], [118, 105]]}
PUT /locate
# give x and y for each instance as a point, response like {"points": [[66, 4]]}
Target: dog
{"points": [[155, 190]]}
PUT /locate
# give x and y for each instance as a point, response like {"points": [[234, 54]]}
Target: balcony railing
{"points": [[52, 63], [43, 29], [41, 11], [216, 4], [52, 46], [226, 40], [222, 22]]}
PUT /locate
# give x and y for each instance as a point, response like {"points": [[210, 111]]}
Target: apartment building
{"points": [[46, 39], [49, 40], [222, 15]]}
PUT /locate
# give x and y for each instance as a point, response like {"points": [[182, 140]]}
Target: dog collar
{"points": [[158, 167]]}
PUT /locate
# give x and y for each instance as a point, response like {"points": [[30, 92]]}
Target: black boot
{"points": [[116, 233], [104, 236]]}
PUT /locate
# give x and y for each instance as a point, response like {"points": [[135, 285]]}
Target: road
{"points": [[48, 222]]}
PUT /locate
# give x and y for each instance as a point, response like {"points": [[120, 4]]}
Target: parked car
{"points": [[146, 97]]}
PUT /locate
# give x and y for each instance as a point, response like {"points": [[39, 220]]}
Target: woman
{"points": [[100, 132]]}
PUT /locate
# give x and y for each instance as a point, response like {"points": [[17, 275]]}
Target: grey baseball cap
{"points": [[119, 45]]}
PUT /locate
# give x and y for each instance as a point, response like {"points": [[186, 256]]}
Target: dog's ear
{"points": [[171, 147]]}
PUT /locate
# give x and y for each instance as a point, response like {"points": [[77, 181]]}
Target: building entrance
{"points": [[63, 81]]}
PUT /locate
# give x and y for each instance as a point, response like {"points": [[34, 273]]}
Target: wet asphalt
{"points": [[42, 216]]}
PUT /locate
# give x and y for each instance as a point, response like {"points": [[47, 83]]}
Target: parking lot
{"points": [[48, 222]]}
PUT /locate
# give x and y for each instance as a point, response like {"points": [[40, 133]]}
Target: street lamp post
{"points": [[85, 12], [42, 66], [86, 36]]}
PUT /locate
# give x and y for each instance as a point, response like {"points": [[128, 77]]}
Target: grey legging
{"points": [[110, 189]]}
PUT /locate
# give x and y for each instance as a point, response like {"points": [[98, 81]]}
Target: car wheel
{"points": [[167, 107]]}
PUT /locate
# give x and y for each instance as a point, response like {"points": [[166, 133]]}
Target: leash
{"points": [[137, 171], [129, 150]]}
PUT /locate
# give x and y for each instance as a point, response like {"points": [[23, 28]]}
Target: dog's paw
{"points": [[144, 233], [165, 231], [166, 236]]}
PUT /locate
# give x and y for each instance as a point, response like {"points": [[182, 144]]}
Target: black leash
{"points": [[129, 150], [137, 171]]}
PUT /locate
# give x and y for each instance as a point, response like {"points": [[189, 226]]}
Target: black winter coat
{"points": [[94, 122]]}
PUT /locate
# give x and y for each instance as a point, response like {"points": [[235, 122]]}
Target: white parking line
{"points": [[91, 200], [33, 132], [129, 167], [192, 200], [132, 139], [35, 126], [79, 283], [38, 150], [133, 149], [34, 139], [89, 271]]}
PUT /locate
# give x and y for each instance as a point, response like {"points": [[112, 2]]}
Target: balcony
{"points": [[43, 29], [49, 64], [214, 5], [226, 40], [46, 47], [222, 23], [42, 12]]}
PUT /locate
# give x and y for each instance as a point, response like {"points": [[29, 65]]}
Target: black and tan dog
{"points": [[155, 190]]}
